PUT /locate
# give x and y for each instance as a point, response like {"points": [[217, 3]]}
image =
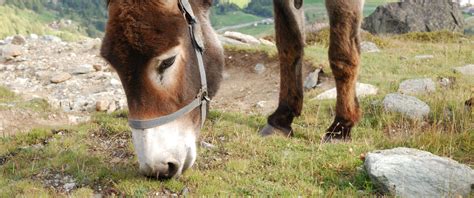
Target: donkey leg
{"points": [[344, 58], [289, 26]]}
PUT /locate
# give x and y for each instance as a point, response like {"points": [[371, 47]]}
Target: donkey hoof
{"points": [[331, 137], [269, 130]]}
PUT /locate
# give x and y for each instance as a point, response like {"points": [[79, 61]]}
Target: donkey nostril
{"points": [[168, 170]]}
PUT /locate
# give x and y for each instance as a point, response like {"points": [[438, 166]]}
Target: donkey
{"points": [[170, 62]]}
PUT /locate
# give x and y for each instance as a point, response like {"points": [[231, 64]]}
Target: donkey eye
{"points": [[165, 64]]}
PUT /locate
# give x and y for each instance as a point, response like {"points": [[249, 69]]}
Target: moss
{"points": [[433, 37]]}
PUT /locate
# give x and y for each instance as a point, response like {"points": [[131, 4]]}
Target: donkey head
{"points": [[149, 45]]}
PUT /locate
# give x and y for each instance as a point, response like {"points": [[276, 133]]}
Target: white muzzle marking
{"points": [[166, 151]]}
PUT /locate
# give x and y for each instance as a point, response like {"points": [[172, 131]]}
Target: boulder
{"points": [[18, 40], [417, 86], [405, 172], [362, 90], [415, 16], [466, 70], [242, 38], [409, 106], [369, 47], [229, 41]]}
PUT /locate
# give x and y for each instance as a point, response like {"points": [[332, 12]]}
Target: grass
{"points": [[244, 164], [21, 21]]}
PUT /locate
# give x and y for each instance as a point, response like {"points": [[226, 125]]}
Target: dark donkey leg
{"points": [[289, 26], [344, 58]]}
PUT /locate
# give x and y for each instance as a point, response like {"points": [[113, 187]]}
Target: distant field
{"points": [[315, 10]]}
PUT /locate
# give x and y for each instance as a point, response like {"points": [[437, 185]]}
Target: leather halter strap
{"points": [[202, 98]]}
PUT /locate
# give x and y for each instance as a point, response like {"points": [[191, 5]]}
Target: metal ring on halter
{"points": [[202, 98]]}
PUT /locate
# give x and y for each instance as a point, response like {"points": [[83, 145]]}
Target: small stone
{"points": [[259, 68], [18, 40], [51, 38], [362, 90], [97, 67], [409, 106], [33, 37], [466, 70], [83, 69], [261, 104], [78, 119], [424, 57], [61, 77], [369, 47], [11, 51], [312, 79], [445, 82], [406, 172], [207, 145], [102, 105], [115, 82], [69, 187], [417, 86]]}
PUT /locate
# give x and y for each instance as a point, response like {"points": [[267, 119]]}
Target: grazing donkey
{"points": [[170, 63]]}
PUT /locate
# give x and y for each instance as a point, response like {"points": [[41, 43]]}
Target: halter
{"points": [[202, 97]]}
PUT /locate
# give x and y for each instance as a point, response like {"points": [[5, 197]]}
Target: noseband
{"points": [[202, 97]]}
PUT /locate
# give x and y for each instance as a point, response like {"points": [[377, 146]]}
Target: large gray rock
{"points": [[466, 70], [415, 16], [405, 172], [409, 106], [369, 47], [417, 86]]}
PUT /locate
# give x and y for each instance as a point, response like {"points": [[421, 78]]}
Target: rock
{"points": [[18, 40], [261, 104], [242, 38], [68, 187], [266, 42], [33, 37], [312, 79], [102, 105], [78, 119], [424, 57], [112, 107], [51, 38], [417, 86], [415, 16], [61, 77], [466, 70], [97, 67], [405, 172], [228, 41], [11, 51], [83, 69], [409, 106], [2, 42], [259, 68], [369, 47], [207, 145], [362, 90], [445, 82]]}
